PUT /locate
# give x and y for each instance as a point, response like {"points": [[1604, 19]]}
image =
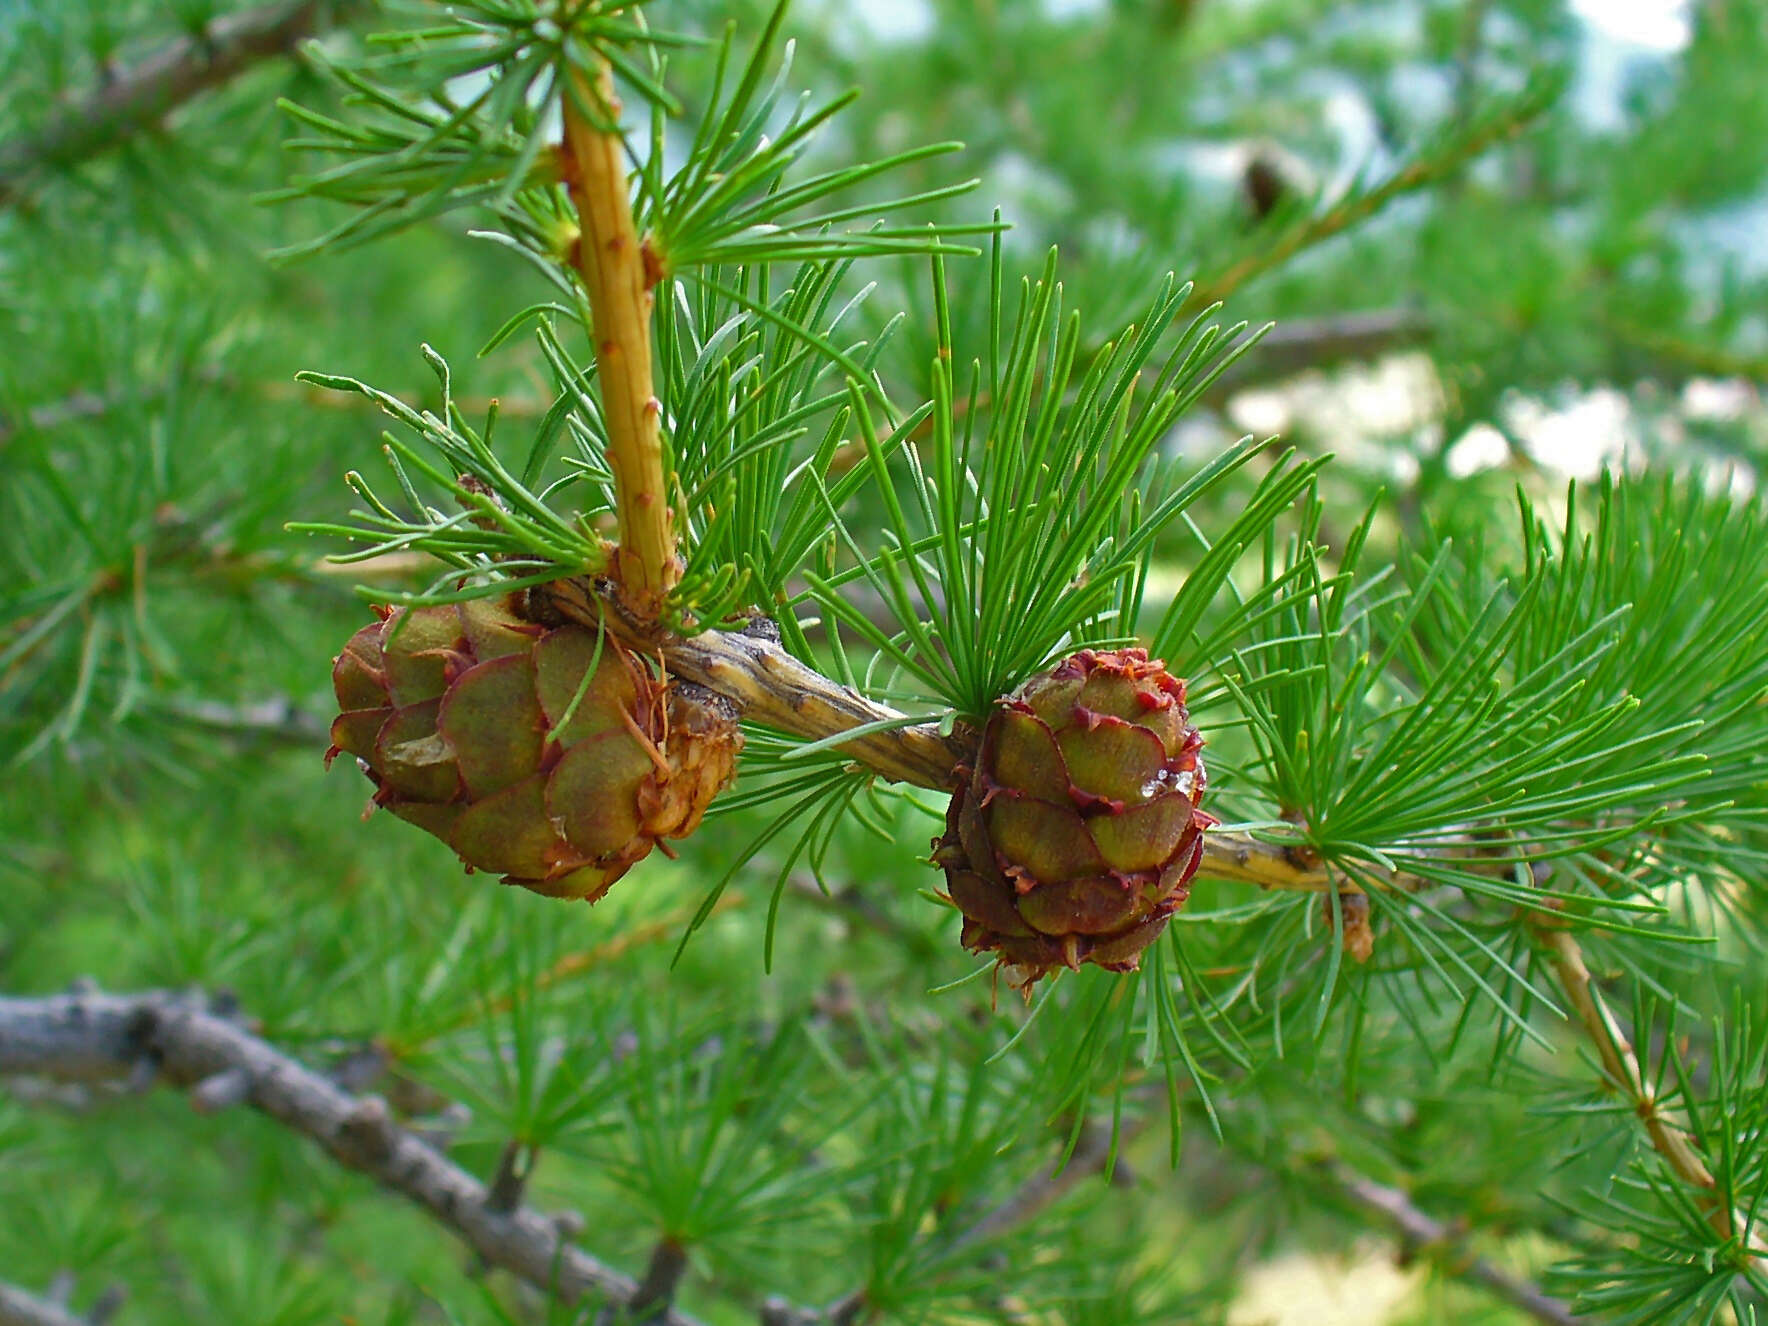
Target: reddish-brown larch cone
{"points": [[1074, 837], [549, 754]]}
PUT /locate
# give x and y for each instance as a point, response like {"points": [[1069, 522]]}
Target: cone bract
{"points": [[547, 754], [1074, 837]]}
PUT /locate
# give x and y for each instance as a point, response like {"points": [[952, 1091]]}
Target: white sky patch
{"points": [[897, 20], [1299, 1289], [1578, 440], [1720, 399], [1388, 398], [1481, 447], [1373, 416], [1655, 25]]}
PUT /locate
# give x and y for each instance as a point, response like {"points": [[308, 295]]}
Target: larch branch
{"points": [[96, 1038], [669, 1262], [133, 97], [753, 670], [1446, 1245], [277, 718], [1298, 344], [1360, 206], [1625, 1074], [18, 1308], [1097, 1148], [611, 260]]}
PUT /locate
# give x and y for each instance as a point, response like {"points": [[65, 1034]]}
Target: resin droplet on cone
{"points": [[1075, 836], [547, 754]]}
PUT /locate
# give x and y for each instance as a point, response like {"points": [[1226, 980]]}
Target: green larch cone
{"points": [[548, 754], [1075, 836]]}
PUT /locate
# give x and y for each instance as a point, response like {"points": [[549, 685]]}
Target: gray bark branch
{"points": [[96, 1038], [135, 96], [1393, 1208], [18, 1307], [1299, 344], [76, 405], [1023, 1205], [277, 718], [1095, 1149]]}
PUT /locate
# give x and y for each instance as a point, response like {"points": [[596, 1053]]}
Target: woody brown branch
{"points": [[773, 688], [611, 260]]}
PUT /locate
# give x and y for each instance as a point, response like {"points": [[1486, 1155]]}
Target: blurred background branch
{"points": [[93, 1038], [138, 93]]}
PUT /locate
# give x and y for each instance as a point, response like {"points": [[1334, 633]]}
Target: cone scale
{"points": [[548, 754], [1074, 836]]}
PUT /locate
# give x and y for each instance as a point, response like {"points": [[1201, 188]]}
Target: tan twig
{"points": [[1619, 1063], [771, 687], [612, 262], [1625, 1074]]}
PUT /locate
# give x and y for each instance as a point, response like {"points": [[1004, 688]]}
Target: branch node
{"points": [[453, 1119], [221, 1091], [107, 1305], [669, 1262], [514, 1166], [367, 1136], [362, 1065], [224, 1003], [1358, 939]]}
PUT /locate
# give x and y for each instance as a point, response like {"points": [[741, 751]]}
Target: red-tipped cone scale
{"points": [[1074, 837], [547, 754]]}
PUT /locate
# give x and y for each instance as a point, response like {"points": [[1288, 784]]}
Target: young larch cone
{"points": [[548, 754], [1075, 836]]}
